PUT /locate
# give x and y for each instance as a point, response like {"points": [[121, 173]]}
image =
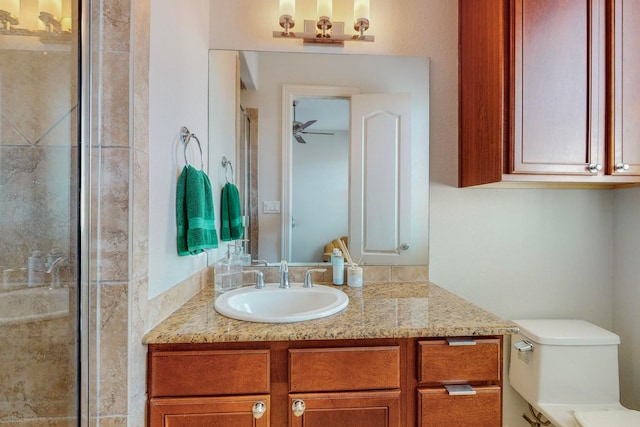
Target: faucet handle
{"points": [[259, 278], [284, 267], [307, 276]]}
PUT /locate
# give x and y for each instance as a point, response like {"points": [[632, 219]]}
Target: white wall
{"points": [[626, 291], [223, 108], [320, 190], [178, 80]]}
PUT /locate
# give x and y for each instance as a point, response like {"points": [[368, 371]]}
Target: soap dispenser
{"points": [[227, 272], [244, 258]]}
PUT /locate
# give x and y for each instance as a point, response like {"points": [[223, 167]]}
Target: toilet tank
{"points": [[570, 362]]}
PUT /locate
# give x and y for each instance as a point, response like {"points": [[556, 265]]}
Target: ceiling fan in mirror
{"points": [[299, 128]]}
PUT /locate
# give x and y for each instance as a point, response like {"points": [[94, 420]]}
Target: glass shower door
{"points": [[38, 214]]}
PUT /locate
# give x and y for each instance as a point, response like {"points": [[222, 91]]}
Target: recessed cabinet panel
{"points": [[441, 363], [370, 409], [556, 87], [338, 369], [208, 412], [439, 409]]}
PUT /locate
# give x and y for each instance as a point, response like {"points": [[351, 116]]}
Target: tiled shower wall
{"points": [[119, 211]]}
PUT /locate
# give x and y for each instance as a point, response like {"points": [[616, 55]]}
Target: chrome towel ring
{"points": [[185, 136], [226, 164]]}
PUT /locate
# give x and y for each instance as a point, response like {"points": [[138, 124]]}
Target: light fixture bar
{"points": [[323, 31], [336, 38]]}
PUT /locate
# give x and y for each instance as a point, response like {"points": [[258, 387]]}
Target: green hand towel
{"points": [[181, 213], [230, 213], [195, 213]]}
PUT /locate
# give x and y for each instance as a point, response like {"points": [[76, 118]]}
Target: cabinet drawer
{"points": [[442, 363], [202, 373], [439, 409], [344, 369]]}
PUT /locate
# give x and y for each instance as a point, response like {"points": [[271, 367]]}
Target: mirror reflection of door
{"points": [[320, 175]]}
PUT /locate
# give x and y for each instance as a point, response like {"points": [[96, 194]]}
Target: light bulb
{"points": [[53, 7], [325, 9], [288, 7], [11, 6], [29, 14], [361, 9]]}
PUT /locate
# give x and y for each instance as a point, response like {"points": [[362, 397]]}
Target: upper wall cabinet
{"points": [[544, 96]]}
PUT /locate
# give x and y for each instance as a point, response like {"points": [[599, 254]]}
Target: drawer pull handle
{"points": [[460, 390], [461, 341], [298, 407], [258, 410]]}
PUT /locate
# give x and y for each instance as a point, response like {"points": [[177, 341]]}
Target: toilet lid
{"points": [[623, 418]]}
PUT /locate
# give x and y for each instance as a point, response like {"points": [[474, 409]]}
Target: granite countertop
{"points": [[377, 310]]}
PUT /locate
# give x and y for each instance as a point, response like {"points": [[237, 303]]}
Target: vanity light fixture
{"points": [[50, 20], [324, 31], [9, 10]]}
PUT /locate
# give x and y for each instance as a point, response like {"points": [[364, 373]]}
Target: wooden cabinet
{"points": [[623, 114], [459, 382], [226, 411], [209, 388], [438, 408], [341, 383], [367, 409], [543, 93], [367, 378]]}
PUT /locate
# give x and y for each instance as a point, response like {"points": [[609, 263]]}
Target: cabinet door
{"points": [[558, 87], [624, 58], [361, 409], [236, 411], [437, 408]]}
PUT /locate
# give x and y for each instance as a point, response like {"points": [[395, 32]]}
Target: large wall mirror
{"points": [[325, 146]]}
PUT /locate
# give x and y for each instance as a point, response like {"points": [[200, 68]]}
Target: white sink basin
{"points": [[275, 305]]}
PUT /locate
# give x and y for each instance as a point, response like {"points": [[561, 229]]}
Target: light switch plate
{"points": [[271, 207]]}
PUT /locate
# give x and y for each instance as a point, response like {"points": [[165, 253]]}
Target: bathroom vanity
{"points": [[389, 359]]}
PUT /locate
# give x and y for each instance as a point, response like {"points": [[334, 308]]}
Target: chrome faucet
{"points": [[54, 270], [284, 275], [307, 276]]}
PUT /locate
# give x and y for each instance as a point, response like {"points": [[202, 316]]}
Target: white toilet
{"points": [[568, 370]]}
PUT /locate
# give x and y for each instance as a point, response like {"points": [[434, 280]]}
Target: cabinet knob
{"points": [[298, 407], [594, 167], [622, 167], [404, 246], [259, 408]]}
